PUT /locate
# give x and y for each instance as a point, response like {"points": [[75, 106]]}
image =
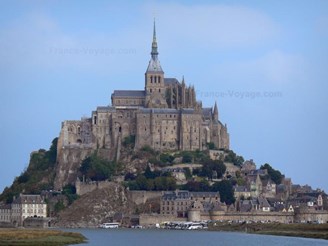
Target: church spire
{"points": [[216, 112], [154, 52], [154, 64]]}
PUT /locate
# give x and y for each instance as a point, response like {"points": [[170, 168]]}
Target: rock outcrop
{"points": [[96, 207]]}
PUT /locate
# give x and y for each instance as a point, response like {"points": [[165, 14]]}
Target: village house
{"points": [[242, 192], [26, 206], [5, 213], [179, 202]]}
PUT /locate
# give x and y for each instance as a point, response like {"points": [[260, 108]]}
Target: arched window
{"points": [[159, 79], [151, 79], [155, 79]]}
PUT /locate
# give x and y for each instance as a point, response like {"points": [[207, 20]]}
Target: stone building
{"points": [[165, 115], [26, 206], [5, 213], [178, 203]]}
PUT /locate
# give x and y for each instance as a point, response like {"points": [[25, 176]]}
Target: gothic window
{"points": [[159, 79], [151, 79], [95, 120], [159, 90], [155, 79], [150, 90]]}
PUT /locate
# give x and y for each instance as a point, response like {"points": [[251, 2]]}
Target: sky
{"points": [[264, 62]]}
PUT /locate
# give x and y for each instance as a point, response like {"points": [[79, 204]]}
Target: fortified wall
{"points": [[249, 216], [138, 196]]}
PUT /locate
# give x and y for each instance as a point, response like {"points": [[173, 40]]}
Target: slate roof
{"points": [[241, 189], [184, 194], [128, 93], [160, 110], [28, 199], [168, 110], [171, 81], [154, 66], [207, 112], [205, 194], [105, 109], [263, 202]]}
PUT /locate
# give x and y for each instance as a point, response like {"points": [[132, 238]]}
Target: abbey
{"points": [[165, 116]]}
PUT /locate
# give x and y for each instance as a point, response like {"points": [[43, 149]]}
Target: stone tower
{"points": [[154, 79]]}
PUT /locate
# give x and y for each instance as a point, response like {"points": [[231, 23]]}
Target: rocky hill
{"points": [[96, 207]]}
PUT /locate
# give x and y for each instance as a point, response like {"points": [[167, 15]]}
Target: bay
{"points": [[158, 237]]}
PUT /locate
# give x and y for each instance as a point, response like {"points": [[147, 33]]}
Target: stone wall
{"points": [[152, 219], [313, 216], [83, 187], [141, 197], [36, 222], [256, 216]]}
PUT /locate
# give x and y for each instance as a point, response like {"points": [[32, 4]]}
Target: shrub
{"points": [[187, 157], [166, 158], [129, 141]]}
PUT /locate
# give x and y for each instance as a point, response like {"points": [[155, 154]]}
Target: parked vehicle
{"points": [[109, 225], [195, 226]]}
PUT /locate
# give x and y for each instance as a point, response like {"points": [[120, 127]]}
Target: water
{"points": [[113, 237]]}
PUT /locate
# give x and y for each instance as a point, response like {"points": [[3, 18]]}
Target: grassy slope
{"points": [[38, 237], [295, 230]]}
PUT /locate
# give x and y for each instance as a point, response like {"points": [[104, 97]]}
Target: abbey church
{"points": [[165, 116]]}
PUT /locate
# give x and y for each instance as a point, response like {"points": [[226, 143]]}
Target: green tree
{"points": [[187, 172], [59, 206], [141, 182], [129, 141], [197, 185], [234, 158], [187, 157], [210, 145], [97, 169], [52, 153], [213, 165], [274, 174], [166, 158], [226, 191]]}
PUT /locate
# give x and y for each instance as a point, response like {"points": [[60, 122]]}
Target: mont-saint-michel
{"points": [[153, 157]]}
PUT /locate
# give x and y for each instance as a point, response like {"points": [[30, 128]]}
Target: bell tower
{"points": [[154, 79]]}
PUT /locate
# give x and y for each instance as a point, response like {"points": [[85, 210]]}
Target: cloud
{"points": [[215, 26], [275, 67], [36, 41], [321, 25]]}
